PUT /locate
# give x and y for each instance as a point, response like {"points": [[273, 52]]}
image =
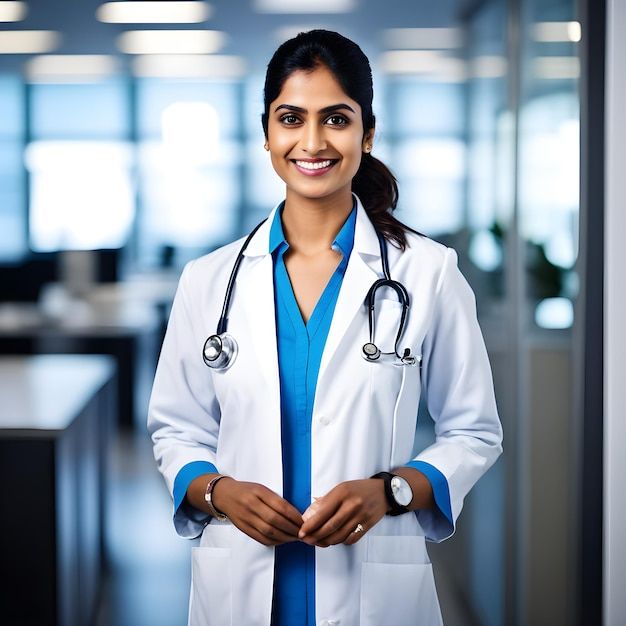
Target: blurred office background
{"points": [[130, 142]]}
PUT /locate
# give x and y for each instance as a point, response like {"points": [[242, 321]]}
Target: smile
{"points": [[314, 168]]}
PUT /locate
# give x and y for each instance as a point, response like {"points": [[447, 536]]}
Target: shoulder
{"points": [[425, 246], [424, 252], [212, 266]]}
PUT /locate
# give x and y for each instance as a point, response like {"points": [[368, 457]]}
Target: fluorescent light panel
{"points": [[422, 38], [188, 66], [557, 31], [12, 11], [283, 33], [488, 66], [431, 64], [154, 12], [29, 41], [556, 68], [68, 68], [304, 6], [171, 41]]}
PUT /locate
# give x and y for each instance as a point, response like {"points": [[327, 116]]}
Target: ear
{"points": [[368, 141]]}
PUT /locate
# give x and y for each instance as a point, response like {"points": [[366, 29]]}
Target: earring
{"points": [[266, 145]]}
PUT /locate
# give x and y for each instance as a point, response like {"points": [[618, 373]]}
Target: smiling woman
{"points": [[319, 510]]}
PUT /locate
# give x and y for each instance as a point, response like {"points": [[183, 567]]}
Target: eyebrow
{"points": [[328, 109]]}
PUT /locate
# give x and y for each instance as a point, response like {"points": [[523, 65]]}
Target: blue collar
{"points": [[344, 239]]}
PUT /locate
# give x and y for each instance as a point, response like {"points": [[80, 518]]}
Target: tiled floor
{"points": [[149, 577]]}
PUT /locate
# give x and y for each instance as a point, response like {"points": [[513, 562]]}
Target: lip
{"points": [[318, 172]]}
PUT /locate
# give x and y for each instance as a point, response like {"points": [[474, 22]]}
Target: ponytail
{"points": [[377, 188]]}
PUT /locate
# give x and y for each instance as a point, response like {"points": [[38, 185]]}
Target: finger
{"points": [[271, 533], [280, 505], [275, 519], [341, 534], [311, 510], [353, 537], [245, 527], [327, 508], [336, 523]]}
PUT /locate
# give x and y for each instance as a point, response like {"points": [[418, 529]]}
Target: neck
{"points": [[311, 224]]}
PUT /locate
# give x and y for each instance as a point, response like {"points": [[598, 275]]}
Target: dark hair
{"points": [[375, 185]]}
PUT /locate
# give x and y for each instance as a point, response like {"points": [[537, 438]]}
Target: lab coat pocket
{"points": [[397, 584], [211, 593]]}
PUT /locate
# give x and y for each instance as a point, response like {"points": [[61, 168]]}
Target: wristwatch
{"points": [[398, 492], [207, 497]]}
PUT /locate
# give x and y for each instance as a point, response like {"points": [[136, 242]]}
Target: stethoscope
{"points": [[220, 350]]}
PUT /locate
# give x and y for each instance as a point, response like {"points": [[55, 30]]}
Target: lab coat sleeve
{"points": [[440, 517], [183, 415], [458, 388]]}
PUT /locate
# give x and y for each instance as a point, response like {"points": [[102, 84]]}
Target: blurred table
{"points": [[130, 331], [56, 423]]}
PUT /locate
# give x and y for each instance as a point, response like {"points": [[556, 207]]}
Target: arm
{"points": [[184, 415], [184, 420], [458, 388]]}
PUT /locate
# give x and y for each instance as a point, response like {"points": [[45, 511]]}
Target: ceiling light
{"points": [[557, 31], [283, 33], [433, 65], [69, 68], [12, 11], [488, 66], [171, 41], [304, 6], [162, 12], [408, 61], [422, 38], [188, 66], [556, 68], [28, 41]]}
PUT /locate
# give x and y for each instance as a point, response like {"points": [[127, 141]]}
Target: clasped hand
{"points": [[263, 515]]}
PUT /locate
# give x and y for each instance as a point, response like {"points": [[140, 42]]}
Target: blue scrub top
{"points": [[300, 348]]}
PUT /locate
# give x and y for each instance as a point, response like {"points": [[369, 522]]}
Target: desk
{"points": [[56, 421], [128, 332]]}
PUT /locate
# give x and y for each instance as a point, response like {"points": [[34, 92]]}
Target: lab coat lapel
{"points": [[361, 272], [256, 280], [257, 289]]}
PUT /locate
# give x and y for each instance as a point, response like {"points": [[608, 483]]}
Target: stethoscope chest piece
{"points": [[370, 352], [220, 351]]}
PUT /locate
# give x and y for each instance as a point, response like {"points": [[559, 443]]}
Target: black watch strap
{"points": [[396, 509]]}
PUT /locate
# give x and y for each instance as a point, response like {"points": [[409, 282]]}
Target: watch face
{"points": [[401, 491]]}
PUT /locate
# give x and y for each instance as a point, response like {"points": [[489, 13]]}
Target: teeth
{"points": [[313, 166]]}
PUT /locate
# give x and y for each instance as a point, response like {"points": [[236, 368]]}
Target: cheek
{"points": [[352, 158]]}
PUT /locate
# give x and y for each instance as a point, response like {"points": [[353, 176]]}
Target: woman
{"points": [[292, 453]]}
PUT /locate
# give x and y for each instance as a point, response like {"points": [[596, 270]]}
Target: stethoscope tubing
{"points": [[370, 351]]}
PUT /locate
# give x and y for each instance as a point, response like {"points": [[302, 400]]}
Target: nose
{"points": [[313, 140]]}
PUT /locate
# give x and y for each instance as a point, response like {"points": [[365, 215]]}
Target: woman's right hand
{"points": [[256, 510]]}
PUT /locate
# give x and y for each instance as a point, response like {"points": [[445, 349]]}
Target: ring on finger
{"points": [[359, 529]]}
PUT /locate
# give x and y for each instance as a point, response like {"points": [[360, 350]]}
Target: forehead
{"points": [[308, 88]]}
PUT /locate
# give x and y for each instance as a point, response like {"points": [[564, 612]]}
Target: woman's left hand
{"points": [[333, 518]]}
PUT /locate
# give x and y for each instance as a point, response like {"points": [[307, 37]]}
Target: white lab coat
{"points": [[363, 422]]}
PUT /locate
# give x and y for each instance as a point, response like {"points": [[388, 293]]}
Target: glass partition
{"points": [[13, 244]]}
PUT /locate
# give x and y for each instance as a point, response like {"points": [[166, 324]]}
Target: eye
{"points": [[343, 121], [289, 116]]}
